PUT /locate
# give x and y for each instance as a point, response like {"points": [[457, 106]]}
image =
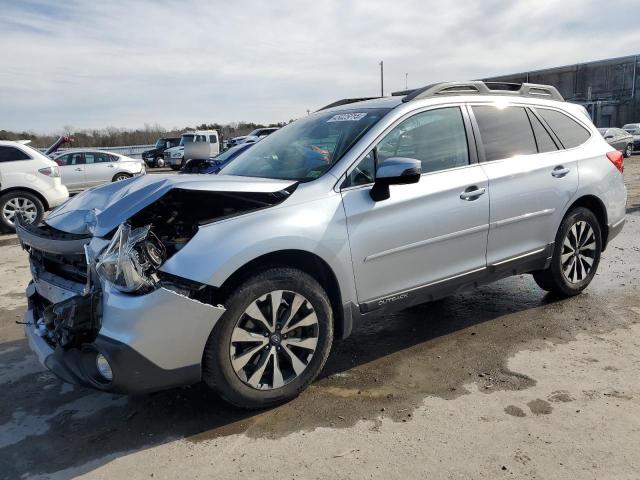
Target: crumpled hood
{"points": [[99, 210]]}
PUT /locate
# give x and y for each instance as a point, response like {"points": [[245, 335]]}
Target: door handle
{"points": [[560, 171], [472, 193], [110, 165], [78, 169]]}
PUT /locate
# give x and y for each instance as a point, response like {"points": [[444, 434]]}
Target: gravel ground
{"points": [[504, 381]]}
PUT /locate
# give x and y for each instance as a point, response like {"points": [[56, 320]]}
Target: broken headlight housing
{"points": [[131, 259]]}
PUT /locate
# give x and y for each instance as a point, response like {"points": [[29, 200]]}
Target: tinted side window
{"points": [[10, 154], [213, 139], [505, 132], [437, 138], [543, 138], [570, 132]]}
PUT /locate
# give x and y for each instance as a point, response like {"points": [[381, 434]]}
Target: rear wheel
{"points": [[272, 341], [19, 203], [576, 255]]}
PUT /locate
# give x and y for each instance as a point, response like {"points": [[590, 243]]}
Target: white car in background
{"points": [[84, 168], [29, 184], [258, 134]]}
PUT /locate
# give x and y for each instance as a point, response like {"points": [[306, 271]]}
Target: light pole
{"points": [[381, 78], [406, 81]]}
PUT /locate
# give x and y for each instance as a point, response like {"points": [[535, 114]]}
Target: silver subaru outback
{"points": [[244, 279]]}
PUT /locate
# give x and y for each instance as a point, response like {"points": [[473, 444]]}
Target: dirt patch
{"points": [[514, 411], [540, 407]]}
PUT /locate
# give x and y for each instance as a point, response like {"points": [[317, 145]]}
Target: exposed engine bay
{"points": [[128, 258]]}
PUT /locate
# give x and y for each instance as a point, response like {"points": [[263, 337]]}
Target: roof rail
{"points": [[345, 101], [477, 87]]}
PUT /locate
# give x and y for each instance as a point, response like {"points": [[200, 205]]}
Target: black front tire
{"points": [[218, 372], [554, 279], [628, 151], [121, 176], [6, 224]]}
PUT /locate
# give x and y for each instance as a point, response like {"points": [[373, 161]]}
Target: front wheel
{"points": [[272, 341], [628, 151], [576, 255], [159, 162], [120, 176]]}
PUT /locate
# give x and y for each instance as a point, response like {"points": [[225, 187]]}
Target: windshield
{"points": [[186, 139], [633, 131], [306, 148], [160, 143]]}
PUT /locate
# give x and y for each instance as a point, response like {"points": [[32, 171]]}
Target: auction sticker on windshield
{"points": [[347, 117]]}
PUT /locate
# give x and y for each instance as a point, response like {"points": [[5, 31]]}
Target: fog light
{"points": [[103, 367]]}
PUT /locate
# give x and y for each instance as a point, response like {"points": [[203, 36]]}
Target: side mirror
{"points": [[394, 171]]}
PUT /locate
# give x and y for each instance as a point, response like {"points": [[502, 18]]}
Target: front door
{"points": [[425, 233]]}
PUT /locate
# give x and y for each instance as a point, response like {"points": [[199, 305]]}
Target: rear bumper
{"points": [[152, 342], [615, 229], [56, 196]]}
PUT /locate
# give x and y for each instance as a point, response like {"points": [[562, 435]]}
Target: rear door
{"points": [[100, 168], [531, 179], [428, 232], [72, 170]]}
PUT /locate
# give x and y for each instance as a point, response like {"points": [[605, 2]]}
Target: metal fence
{"points": [[134, 151]]}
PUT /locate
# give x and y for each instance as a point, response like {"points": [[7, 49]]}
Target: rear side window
{"points": [[505, 132], [11, 154], [543, 138], [570, 132], [213, 139]]}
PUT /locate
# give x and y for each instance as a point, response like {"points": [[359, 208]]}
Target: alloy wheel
{"points": [[22, 206], [578, 252], [629, 151], [274, 340]]}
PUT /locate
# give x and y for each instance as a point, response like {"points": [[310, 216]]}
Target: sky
{"points": [[93, 64]]}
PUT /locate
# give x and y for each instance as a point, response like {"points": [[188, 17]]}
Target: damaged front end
{"points": [[101, 312]]}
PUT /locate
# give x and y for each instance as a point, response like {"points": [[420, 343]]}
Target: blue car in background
{"points": [[214, 164]]}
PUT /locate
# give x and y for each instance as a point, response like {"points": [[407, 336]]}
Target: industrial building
{"points": [[609, 88]]}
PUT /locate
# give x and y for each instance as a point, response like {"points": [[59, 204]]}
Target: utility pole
{"points": [[406, 81], [381, 78]]}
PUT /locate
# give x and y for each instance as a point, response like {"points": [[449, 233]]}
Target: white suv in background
{"points": [[29, 184]]}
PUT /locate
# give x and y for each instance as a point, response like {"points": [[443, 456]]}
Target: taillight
{"points": [[617, 159], [50, 171]]}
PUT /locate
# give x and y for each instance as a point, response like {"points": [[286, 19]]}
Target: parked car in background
{"points": [[232, 142], [175, 157], [214, 164], [82, 169], [258, 134], [633, 129], [619, 139], [244, 280], [29, 184], [155, 156]]}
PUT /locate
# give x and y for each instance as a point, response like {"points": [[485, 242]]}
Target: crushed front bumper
{"points": [[151, 341]]}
